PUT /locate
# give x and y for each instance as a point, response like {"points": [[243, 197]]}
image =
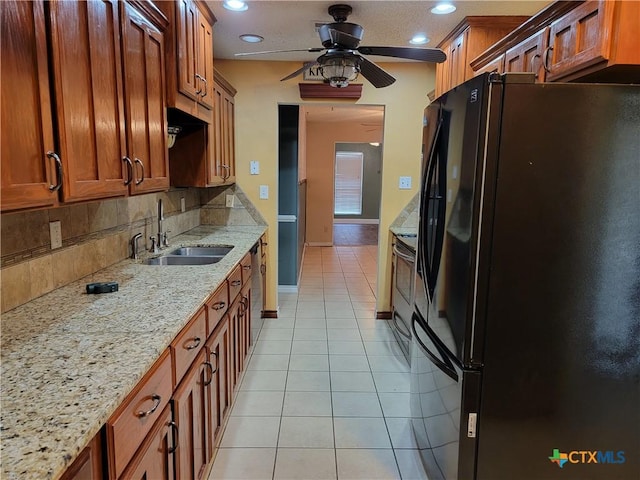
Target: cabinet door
{"points": [[245, 320], [190, 409], [27, 126], [578, 39], [187, 31], [143, 49], [496, 65], [224, 135], [235, 335], [205, 62], [527, 55], [218, 394], [458, 60], [88, 465], [85, 48], [155, 459]]}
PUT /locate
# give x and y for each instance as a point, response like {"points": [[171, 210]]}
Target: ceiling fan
{"points": [[343, 59]]}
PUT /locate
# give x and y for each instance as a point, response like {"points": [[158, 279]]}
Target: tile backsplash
{"points": [[95, 235]]}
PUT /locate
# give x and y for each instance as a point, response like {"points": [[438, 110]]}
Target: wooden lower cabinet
{"points": [[190, 408], [155, 458], [89, 464], [218, 393]]}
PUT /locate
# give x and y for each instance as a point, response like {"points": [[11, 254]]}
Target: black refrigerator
{"points": [[526, 325]]}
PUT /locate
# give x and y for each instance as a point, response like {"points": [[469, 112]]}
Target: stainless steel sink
{"points": [[219, 251], [183, 260]]}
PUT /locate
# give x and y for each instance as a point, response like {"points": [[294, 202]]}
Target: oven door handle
{"points": [[395, 318], [408, 258]]}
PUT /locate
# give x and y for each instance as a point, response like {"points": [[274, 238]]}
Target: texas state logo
{"points": [[587, 456]]}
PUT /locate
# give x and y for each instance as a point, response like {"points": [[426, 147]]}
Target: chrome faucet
{"points": [[134, 245], [161, 234]]}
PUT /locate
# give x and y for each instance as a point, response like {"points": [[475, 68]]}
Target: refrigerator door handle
{"points": [[441, 361]]}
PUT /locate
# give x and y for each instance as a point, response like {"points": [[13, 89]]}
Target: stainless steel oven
{"points": [[404, 258]]}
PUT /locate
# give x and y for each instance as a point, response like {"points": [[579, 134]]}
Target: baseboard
{"points": [[287, 289], [269, 314], [363, 221], [383, 315], [320, 244]]}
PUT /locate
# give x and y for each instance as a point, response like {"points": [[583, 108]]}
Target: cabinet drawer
{"points": [[186, 346], [245, 264], [128, 426], [235, 282], [217, 306]]}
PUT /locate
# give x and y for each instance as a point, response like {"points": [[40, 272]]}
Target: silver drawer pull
{"points": [[156, 399], [236, 283], [219, 305], [247, 267], [211, 373], [196, 342]]}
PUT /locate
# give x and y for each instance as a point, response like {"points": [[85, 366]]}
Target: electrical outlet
{"points": [[264, 192], [405, 183], [254, 167], [183, 205], [55, 229], [230, 201]]}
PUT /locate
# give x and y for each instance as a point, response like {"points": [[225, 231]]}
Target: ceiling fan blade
{"points": [[372, 72], [300, 70], [412, 53], [314, 49]]}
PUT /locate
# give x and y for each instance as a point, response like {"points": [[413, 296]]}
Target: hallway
{"points": [[326, 391]]}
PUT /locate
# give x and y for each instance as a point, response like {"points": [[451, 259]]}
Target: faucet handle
{"points": [[154, 247], [165, 238]]}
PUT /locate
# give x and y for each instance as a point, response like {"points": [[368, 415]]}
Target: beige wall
{"points": [[259, 93], [321, 141]]}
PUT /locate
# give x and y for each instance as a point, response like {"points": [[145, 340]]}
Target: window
{"points": [[348, 183]]}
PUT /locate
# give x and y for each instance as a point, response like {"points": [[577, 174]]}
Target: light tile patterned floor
{"points": [[326, 391]]}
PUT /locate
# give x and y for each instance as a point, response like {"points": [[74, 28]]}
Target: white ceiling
{"points": [[291, 24]]}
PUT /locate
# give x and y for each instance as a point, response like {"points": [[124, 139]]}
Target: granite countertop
{"points": [[404, 230], [69, 359]]}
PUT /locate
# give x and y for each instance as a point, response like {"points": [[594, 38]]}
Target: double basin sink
{"points": [[191, 256]]}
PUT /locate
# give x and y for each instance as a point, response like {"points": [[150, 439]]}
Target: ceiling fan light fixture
{"points": [[443, 8], [419, 39], [340, 71], [251, 38], [235, 5]]}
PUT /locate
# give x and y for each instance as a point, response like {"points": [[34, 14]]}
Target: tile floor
{"points": [[326, 391]]}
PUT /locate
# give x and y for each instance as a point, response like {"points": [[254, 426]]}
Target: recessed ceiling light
{"points": [[251, 38], [235, 5], [443, 8], [419, 39]]}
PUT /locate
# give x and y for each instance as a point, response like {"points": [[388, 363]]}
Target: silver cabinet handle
{"points": [[58, 162], [129, 179], [215, 355], [198, 77], [236, 283], [204, 91], [244, 303], [545, 63], [246, 267], [263, 269], [176, 433], [219, 305], [531, 67], [211, 371], [225, 167], [156, 403], [196, 342], [139, 162]]}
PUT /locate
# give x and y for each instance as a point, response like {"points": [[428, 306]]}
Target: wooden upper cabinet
{"points": [[527, 56], [222, 168], [472, 36], [195, 53], [590, 41], [87, 73], [144, 68], [28, 175]]}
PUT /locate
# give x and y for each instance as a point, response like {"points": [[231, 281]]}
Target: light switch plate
{"points": [[254, 167], [405, 183], [55, 229], [230, 201], [264, 192]]}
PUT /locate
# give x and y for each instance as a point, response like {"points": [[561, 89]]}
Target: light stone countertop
{"points": [[69, 359], [404, 230]]}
